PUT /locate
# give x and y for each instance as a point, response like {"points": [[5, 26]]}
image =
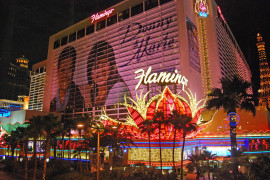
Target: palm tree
{"points": [[147, 126], [259, 169], [186, 126], [159, 120], [50, 124], [91, 140], [11, 141], [195, 161], [35, 129], [83, 123], [207, 155], [116, 137], [232, 94], [69, 124], [175, 120], [23, 135]]}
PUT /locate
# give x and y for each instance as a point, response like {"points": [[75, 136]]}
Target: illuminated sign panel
{"points": [[98, 16]]}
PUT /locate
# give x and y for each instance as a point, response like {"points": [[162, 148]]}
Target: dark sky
{"points": [[35, 20]]}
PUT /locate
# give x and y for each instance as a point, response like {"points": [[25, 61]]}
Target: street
{"points": [[6, 176]]}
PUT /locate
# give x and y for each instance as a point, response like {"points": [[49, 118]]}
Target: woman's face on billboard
{"points": [[100, 72]]}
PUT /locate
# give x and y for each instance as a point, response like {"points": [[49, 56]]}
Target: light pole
{"points": [[98, 155], [97, 127], [80, 126]]}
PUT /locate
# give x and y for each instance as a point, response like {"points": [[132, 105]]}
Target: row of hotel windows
{"points": [[229, 33], [120, 16]]}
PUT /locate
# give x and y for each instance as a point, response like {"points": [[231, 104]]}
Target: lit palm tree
{"points": [[186, 126], [50, 124], [233, 94], [159, 120], [147, 126], [175, 120]]}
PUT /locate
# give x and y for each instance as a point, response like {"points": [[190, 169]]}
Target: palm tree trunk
{"points": [[12, 152], [86, 161], [25, 159], [160, 152], [182, 154], [47, 150], [35, 156], [208, 169], [173, 150], [149, 140], [90, 169], [69, 145], [63, 146], [54, 147]]}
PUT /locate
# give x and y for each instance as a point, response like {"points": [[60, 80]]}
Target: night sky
{"points": [[35, 20]]}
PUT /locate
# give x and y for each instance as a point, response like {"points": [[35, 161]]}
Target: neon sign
{"points": [[219, 10], [162, 77], [233, 119], [98, 16], [4, 113], [201, 8]]}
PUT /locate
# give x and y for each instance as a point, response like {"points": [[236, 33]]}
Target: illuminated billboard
{"points": [[99, 69]]}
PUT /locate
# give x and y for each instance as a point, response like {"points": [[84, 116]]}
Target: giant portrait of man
{"points": [[68, 97]]}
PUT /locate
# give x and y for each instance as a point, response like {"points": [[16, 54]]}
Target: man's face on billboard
{"points": [[64, 73]]}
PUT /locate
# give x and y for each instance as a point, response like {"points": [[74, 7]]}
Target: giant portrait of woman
{"points": [[106, 85]]}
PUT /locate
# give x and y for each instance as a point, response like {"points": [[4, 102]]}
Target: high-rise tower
{"points": [[264, 72]]}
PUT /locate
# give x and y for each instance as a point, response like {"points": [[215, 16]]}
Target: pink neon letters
{"points": [[98, 16]]}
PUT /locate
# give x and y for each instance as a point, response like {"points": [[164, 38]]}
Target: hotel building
{"points": [[37, 83], [99, 64], [264, 72], [166, 35]]}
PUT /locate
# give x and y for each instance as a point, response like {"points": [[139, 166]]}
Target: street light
{"points": [[80, 127], [98, 127]]}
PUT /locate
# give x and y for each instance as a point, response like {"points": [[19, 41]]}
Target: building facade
{"points": [[18, 79], [36, 93], [123, 50]]}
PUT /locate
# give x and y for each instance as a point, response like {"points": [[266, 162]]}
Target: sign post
{"points": [[233, 120]]}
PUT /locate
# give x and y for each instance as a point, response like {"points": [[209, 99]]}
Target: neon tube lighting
{"points": [[256, 152]]}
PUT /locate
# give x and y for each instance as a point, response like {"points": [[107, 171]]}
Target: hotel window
{"points": [[164, 1], [90, 29], [101, 25], [81, 33], [56, 44], [64, 41], [112, 20], [123, 15], [72, 37], [149, 4], [137, 9]]}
